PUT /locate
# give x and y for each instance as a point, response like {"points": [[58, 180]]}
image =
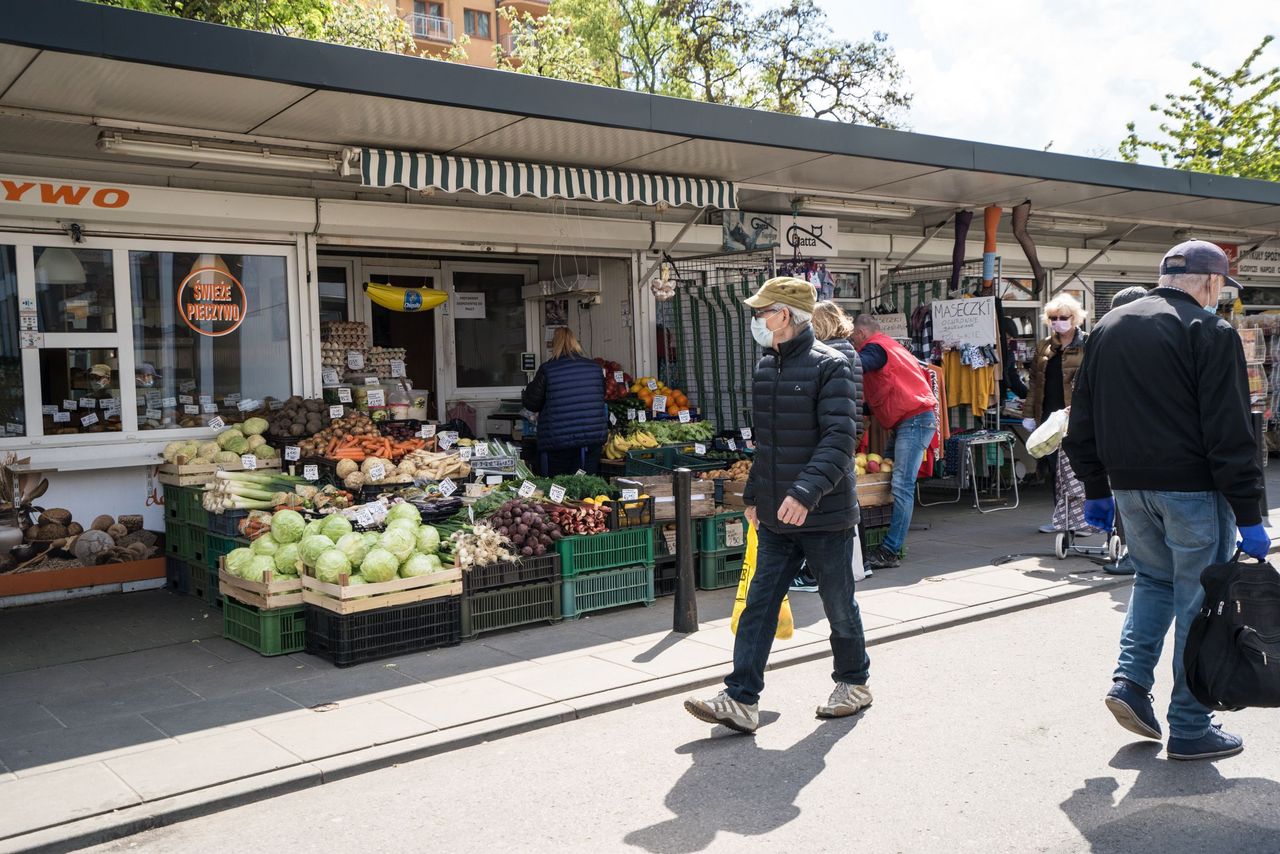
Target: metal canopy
{"points": [[67, 67]]}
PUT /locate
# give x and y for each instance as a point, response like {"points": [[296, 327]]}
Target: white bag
{"points": [[859, 571], [1048, 436]]}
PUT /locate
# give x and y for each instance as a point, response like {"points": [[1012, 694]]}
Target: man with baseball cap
{"points": [[1160, 419], [800, 498]]}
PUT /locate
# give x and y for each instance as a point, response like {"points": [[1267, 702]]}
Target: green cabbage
{"points": [[207, 450], [406, 512], [335, 527], [226, 457], [399, 542], [171, 451], [236, 560], [265, 452], [254, 441], [254, 426], [228, 436], [428, 540], [370, 539], [420, 564], [287, 557], [403, 525], [353, 545], [379, 565], [287, 526], [315, 528], [312, 547], [236, 444], [265, 545], [256, 566], [332, 565]]}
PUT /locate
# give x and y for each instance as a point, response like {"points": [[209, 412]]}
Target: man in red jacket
{"points": [[901, 400]]}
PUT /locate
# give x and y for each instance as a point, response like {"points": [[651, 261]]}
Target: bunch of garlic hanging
{"points": [[663, 287]]}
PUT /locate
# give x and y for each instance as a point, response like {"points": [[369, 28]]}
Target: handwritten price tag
{"points": [[217, 423], [311, 472], [642, 415], [653, 385], [62, 418], [209, 408], [427, 431], [370, 380], [448, 487], [618, 377], [746, 434], [329, 376], [187, 385], [631, 415], [184, 399], [355, 360], [344, 395], [336, 411], [579, 473], [292, 453], [482, 450], [700, 449], [659, 403], [364, 518], [90, 403], [397, 368], [149, 415], [685, 418], [248, 461], [48, 410], [191, 409], [377, 472], [68, 404], [376, 397], [465, 454], [89, 420], [630, 494], [527, 489], [166, 402], [556, 494], [733, 446], [613, 419]]}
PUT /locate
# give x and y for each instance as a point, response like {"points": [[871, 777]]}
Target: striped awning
{"points": [[385, 168]]}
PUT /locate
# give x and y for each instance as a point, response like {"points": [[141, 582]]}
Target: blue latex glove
{"points": [[1100, 513], [1254, 541]]}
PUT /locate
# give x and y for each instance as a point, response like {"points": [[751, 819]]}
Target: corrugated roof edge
{"points": [[85, 28]]}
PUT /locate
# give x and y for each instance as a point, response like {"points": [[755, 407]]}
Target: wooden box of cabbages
{"points": [[273, 591], [353, 598], [196, 474]]}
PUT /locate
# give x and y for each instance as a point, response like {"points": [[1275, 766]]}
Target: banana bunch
{"points": [[618, 445]]}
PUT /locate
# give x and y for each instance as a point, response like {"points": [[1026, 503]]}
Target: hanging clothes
{"points": [[972, 387]]}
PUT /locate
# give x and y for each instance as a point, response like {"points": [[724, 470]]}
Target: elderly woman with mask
{"points": [[1053, 373]]}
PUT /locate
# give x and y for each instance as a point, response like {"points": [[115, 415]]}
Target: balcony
{"points": [[431, 27], [537, 8], [507, 41]]}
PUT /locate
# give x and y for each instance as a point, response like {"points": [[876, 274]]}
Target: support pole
{"points": [[685, 618]]}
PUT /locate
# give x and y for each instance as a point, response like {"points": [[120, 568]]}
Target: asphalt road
{"points": [[988, 737]]}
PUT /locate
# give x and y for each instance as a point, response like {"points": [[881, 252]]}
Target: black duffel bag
{"points": [[1232, 655]]}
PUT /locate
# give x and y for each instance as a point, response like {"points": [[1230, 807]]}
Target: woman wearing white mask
{"points": [[1053, 374]]}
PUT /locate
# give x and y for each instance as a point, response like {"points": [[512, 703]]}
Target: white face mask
{"points": [[1061, 326], [761, 332]]}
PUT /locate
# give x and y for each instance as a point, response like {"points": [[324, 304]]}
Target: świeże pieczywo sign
{"points": [[211, 301]]}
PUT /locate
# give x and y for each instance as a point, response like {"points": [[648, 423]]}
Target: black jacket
{"points": [[568, 395], [804, 414], [846, 349], [1162, 403]]}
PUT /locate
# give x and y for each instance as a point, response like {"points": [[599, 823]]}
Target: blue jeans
{"points": [[778, 559], [1172, 537], [911, 439]]}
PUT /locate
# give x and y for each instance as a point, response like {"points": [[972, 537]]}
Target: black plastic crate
{"points": [[347, 639], [640, 514], [876, 517], [226, 523], [666, 576], [494, 576], [177, 575]]}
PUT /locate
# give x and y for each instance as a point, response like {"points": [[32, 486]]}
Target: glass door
{"points": [[486, 329], [415, 332]]}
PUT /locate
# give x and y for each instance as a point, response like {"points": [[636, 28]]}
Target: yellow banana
{"points": [[404, 299]]}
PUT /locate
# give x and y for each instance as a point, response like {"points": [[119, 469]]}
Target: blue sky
{"points": [[1072, 71]]}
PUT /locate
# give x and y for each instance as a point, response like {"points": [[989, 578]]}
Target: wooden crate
{"points": [[701, 498], [876, 489], [272, 592], [197, 474], [733, 490], [347, 599]]}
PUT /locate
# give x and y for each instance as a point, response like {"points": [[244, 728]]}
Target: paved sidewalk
{"points": [[97, 740]]}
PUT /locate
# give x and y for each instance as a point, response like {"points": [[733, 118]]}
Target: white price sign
{"points": [[642, 415], [746, 434], [344, 395], [217, 423], [292, 453], [493, 480], [184, 399], [90, 403], [613, 419], [188, 385], [191, 409], [329, 376], [700, 449], [248, 405], [370, 380], [248, 461], [448, 439], [733, 446], [355, 360], [206, 398], [377, 471], [89, 420], [376, 397], [685, 418], [336, 411], [619, 377], [48, 410], [169, 402], [631, 415], [448, 487], [209, 408], [630, 494], [62, 418], [427, 431], [149, 415], [364, 518], [465, 454], [68, 404], [311, 472], [659, 403], [653, 385], [527, 489], [579, 473], [556, 494], [397, 368], [482, 450]]}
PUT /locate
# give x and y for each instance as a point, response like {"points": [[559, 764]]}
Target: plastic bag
{"points": [[1048, 437], [786, 623]]}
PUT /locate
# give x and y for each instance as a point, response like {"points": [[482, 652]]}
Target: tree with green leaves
{"points": [[1227, 123]]}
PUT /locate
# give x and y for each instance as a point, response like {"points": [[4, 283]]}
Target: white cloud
{"points": [[1072, 72]]}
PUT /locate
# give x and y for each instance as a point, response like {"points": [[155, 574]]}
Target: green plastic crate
{"points": [[713, 532], [185, 504], [507, 607], [173, 498], [719, 570], [632, 585], [175, 539], [596, 552], [218, 546], [275, 632], [873, 537], [199, 581], [190, 543], [212, 595]]}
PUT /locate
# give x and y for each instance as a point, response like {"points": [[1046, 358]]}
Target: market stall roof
{"points": [[70, 69]]}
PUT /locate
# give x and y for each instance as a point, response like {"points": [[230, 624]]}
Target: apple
{"points": [[874, 458], [872, 466], [860, 459], [886, 466]]}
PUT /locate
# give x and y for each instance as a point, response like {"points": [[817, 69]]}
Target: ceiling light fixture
{"points": [[59, 266], [1182, 234], [1069, 226], [849, 207], [262, 158]]}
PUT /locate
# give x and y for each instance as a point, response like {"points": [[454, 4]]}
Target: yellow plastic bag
{"points": [[786, 623]]}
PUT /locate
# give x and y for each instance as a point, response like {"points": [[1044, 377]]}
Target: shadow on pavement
{"points": [[1176, 806], [736, 786]]}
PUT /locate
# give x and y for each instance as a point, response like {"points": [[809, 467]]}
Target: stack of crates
{"points": [[185, 523], [874, 527], [512, 593], [722, 546], [606, 571]]}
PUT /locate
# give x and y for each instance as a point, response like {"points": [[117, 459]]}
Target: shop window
{"points": [[75, 289], [211, 335], [80, 390], [488, 328], [12, 409], [332, 284], [476, 24]]}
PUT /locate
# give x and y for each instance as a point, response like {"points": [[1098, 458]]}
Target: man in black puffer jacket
{"points": [[800, 498]]}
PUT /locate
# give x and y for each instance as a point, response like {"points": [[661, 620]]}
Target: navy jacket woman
{"points": [[568, 395]]}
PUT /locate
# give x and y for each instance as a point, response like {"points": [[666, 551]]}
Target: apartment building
{"points": [[437, 23]]}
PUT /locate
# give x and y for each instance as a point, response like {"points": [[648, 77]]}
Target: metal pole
{"points": [[1260, 434], [685, 618]]}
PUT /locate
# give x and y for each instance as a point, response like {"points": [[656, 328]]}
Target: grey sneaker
{"points": [[845, 700], [723, 709]]}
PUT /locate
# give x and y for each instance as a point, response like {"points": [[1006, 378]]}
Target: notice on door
{"points": [[468, 306]]}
